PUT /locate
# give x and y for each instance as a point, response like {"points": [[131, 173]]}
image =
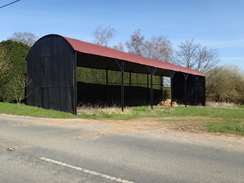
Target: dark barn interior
{"points": [[110, 95], [52, 68]]}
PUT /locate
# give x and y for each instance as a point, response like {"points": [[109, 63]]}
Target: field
{"points": [[228, 119]]}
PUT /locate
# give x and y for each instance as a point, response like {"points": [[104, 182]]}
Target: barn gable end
{"points": [[51, 68]]}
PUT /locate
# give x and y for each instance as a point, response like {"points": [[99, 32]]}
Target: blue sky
{"points": [[212, 23]]}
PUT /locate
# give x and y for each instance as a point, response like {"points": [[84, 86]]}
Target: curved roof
{"points": [[89, 48]]}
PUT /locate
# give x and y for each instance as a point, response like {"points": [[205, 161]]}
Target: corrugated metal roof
{"points": [[89, 48]]}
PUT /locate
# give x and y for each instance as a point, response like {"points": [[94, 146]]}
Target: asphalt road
{"points": [[74, 152]]}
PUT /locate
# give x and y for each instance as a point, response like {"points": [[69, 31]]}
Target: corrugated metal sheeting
{"points": [[52, 62], [88, 48]]}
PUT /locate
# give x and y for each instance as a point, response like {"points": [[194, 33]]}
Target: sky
{"points": [[212, 23]]}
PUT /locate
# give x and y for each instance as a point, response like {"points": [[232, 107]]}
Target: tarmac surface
{"points": [[87, 151]]}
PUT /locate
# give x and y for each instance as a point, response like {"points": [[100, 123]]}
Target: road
{"points": [[46, 150]]}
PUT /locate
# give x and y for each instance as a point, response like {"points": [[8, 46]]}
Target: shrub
{"points": [[225, 84]]}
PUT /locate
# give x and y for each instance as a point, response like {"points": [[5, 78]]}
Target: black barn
{"points": [[53, 60]]}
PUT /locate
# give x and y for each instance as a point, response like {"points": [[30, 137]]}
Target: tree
{"points": [[16, 88], [119, 47], [24, 37], [136, 43], [193, 55], [157, 48], [5, 67], [16, 53], [103, 35], [4, 64], [225, 84]]}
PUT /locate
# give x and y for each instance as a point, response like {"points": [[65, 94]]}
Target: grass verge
{"points": [[226, 120], [227, 126], [25, 110]]}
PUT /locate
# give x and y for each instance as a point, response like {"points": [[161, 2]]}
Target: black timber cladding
{"points": [[51, 68]]}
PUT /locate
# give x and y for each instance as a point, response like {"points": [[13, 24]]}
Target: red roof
{"points": [[93, 49]]}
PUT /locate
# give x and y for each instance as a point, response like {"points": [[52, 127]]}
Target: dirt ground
{"points": [[185, 124], [177, 124], [176, 127]]}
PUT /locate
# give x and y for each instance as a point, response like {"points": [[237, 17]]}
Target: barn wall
{"points": [[51, 67]]}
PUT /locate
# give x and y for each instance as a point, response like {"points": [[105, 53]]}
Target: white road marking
{"points": [[85, 170]]}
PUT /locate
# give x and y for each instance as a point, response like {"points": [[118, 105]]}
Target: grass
{"points": [[226, 120], [25, 110], [208, 112], [228, 126], [138, 112], [240, 106], [117, 114]]}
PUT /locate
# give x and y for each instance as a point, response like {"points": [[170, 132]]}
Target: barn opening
{"points": [[96, 87], [66, 73]]}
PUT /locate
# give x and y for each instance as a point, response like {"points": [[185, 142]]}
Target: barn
{"points": [[52, 65]]}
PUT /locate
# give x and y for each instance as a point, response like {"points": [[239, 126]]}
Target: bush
{"points": [[5, 67], [225, 84], [15, 55]]}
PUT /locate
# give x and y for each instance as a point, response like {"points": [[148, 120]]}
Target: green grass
{"points": [[226, 120], [241, 106], [129, 113], [25, 110], [228, 126], [208, 112]]}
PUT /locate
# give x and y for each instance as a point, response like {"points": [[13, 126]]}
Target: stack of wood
{"points": [[167, 103]]}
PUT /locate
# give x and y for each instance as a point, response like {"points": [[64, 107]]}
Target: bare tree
{"points": [[136, 43], [207, 58], [103, 35], [119, 47], [24, 37], [158, 48], [193, 55]]}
